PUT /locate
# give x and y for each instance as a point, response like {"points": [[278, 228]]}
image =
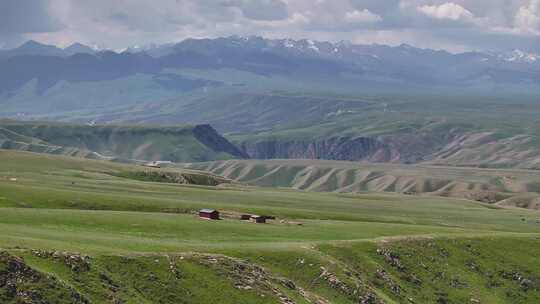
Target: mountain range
{"points": [[34, 48], [294, 98], [351, 65], [39, 80]]}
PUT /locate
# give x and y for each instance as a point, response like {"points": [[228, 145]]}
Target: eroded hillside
{"points": [[495, 186]]}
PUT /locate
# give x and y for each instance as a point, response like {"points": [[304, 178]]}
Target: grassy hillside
{"points": [[496, 129], [455, 130], [502, 187], [84, 231], [129, 143]]}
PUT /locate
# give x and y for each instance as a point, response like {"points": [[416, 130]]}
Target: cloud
{"points": [[449, 24], [363, 16], [527, 19], [265, 10], [27, 16], [448, 11], [295, 20]]}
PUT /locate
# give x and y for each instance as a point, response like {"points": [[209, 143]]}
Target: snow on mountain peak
{"points": [[313, 46], [288, 43], [521, 57]]}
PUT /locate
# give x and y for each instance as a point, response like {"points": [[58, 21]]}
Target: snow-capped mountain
{"points": [[153, 49], [306, 60], [519, 56]]}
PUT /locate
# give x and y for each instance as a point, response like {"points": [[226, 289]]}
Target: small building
{"points": [[152, 165], [258, 219], [209, 214]]}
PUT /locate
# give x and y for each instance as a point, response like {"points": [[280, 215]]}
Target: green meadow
{"points": [[98, 235]]}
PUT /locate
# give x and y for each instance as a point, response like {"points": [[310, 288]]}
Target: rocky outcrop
{"points": [[174, 177], [337, 148], [453, 147], [213, 140], [20, 283], [396, 149]]}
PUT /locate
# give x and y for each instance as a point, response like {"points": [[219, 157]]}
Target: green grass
{"points": [[148, 280], [133, 229], [492, 270], [128, 143]]}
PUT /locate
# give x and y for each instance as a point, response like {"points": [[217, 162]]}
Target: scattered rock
{"points": [[357, 293], [524, 282], [108, 282], [458, 284], [173, 268], [288, 283], [76, 262], [391, 258], [16, 279], [472, 266], [248, 276], [382, 275]]}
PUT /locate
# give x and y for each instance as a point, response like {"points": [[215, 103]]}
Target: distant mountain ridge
{"points": [[270, 56], [50, 80], [337, 50], [34, 48]]}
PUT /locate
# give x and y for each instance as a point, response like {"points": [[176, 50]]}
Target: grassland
{"points": [[94, 234]]}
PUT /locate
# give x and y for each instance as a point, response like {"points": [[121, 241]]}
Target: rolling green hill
{"points": [[503, 187], [86, 231], [127, 143], [496, 130]]}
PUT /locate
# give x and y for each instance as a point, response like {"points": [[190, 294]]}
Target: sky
{"points": [[453, 25]]}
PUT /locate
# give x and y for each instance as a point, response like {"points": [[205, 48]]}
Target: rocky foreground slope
{"points": [[408, 271]]}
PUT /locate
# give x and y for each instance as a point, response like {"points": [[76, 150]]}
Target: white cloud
{"points": [[363, 16], [296, 19], [527, 19], [448, 11], [472, 24]]}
